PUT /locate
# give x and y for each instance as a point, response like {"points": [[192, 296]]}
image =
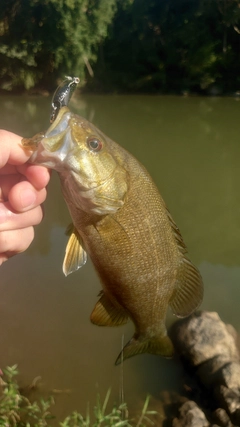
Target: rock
{"points": [[221, 417], [232, 331], [190, 416], [204, 336], [218, 371], [230, 374], [209, 350], [228, 398], [210, 372]]}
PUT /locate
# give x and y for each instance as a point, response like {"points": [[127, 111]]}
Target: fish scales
{"points": [[125, 248], [121, 221]]}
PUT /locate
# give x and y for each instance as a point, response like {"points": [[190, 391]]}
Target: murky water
{"points": [[191, 148]]}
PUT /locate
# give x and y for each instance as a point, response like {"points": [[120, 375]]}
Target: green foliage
{"points": [[42, 39], [172, 46], [139, 45], [17, 411]]}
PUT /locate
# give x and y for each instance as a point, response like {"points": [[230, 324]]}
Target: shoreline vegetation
{"points": [[17, 409], [121, 46], [207, 348]]}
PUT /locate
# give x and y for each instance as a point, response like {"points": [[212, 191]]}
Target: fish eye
{"points": [[94, 144]]}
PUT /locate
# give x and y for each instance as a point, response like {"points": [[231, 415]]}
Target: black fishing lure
{"points": [[63, 95]]}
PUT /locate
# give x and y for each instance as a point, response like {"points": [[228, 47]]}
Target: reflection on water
{"points": [[191, 148]]}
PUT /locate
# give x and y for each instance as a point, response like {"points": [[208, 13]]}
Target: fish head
{"points": [[90, 167]]}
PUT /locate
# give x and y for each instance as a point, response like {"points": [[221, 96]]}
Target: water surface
{"points": [[191, 148]]}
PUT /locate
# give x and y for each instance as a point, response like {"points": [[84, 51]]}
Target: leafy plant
{"points": [[16, 410]]}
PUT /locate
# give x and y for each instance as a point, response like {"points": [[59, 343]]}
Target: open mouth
{"points": [[52, 147], [55, 137]]}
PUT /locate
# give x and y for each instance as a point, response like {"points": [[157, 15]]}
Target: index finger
{"points": [[10, 149]]}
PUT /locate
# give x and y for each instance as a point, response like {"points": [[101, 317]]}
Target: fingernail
{"points": [[28, 198]]}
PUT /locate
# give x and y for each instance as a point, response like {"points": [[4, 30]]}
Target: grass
{"points": [[16, 410]]}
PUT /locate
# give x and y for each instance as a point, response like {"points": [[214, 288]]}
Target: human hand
{"points": [[22, 190]]}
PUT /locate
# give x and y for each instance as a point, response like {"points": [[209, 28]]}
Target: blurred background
{"points": [[163, 46]]}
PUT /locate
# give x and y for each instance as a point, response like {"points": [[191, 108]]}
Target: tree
{"points": [[44, 39], [172, 46]]}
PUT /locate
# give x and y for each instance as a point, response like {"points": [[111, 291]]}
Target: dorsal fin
{"points": [[75, 255], [188, 293], [177, 234]]}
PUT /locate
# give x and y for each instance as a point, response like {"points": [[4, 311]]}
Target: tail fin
{"points": [[137, 345]]}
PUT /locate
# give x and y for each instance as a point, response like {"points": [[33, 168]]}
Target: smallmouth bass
{"points": [[121, 221]]}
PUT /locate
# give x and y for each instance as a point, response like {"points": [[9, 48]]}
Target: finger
{"points": [[6, 184], [8, 169], [11, 150], [3, 257], [15, 241], [13, 157], [11, 220], [38, 175], [23, 196]]}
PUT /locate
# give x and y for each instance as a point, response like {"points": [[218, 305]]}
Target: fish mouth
{"points": [[54, 138], [56, 143]]}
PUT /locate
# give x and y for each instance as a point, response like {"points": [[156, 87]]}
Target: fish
{"points": [[120, 221]]}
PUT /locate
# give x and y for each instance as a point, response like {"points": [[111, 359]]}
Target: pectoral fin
{"points": [[189, 290], [75, 255], [161, 345], [106, 314]]}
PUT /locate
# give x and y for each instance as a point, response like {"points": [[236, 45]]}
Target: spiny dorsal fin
{"points": [[75, 255], [161, 345], [106, 314], [189, 290]]}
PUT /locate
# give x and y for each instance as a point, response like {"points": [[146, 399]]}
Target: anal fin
{"points": [[75, 255], [189, 290], [106, 314]]}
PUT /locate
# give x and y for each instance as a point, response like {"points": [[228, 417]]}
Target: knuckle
{"points": [[16, 241], [38, 215]]}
